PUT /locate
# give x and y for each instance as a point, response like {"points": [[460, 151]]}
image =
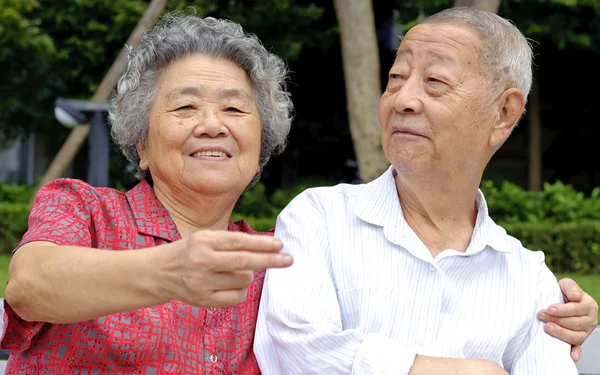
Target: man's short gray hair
{"points": [[178, 36], [505, 55]]}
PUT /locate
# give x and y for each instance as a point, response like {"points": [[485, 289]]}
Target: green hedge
{"points": [[572, 247], [13, 224], [561, 221], [556, 203], [13, 214]]}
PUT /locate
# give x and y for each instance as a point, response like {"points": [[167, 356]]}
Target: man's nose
{"points": [[408, 98]]}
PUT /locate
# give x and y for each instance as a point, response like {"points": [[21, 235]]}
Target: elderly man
{"points": [[408, 274]]}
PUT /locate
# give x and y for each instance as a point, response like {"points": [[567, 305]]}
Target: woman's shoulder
{"points": [[73, 185], [73, 191]]}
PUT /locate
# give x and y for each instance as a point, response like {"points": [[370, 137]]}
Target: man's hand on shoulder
{"points": [[574, 320]]}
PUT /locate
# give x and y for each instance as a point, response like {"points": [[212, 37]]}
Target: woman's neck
{"points": [[192, 211]]}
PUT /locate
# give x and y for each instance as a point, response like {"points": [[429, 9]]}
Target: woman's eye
{"points": [[185, 107], [434, 80], [233, 109]]}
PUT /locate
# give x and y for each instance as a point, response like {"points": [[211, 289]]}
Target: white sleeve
{"points": [[299, 328], [541, 353]]}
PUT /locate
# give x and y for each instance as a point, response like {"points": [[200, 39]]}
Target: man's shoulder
{"points": [[519, 252], [327, 193]]}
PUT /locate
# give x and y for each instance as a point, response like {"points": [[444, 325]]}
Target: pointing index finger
{"points": [[237, 241]]}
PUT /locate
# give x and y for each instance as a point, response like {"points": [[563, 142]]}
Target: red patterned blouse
{"points": [[174, 338]]}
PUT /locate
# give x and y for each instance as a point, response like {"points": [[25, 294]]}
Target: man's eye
{"points": [[185, 107], [434, 80], [233, 109], [395, 76]]}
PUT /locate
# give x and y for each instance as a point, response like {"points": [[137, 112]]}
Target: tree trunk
{"points": [[535, 140], [489, 5], [78, 135], [363, 86]]}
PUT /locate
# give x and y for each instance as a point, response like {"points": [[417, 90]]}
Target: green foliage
{"points": [[13, 224], [556, 203], [282, 25], [254, 202], [568, 247], [56, 49], [261, 211], [10, 193], [64, 48], [13, 214], [563, 23], [560, 221]]}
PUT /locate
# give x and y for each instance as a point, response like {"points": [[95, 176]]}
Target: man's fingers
{"points": [[570, 309], [580, 323], [576, 352], [570, 290], [244, 260], [572, 337]]}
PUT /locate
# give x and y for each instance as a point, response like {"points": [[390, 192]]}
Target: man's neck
{"points": [[192, 212], [441, 211]]}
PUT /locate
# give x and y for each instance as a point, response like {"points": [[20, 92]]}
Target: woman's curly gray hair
{"points": [[178, 36]]}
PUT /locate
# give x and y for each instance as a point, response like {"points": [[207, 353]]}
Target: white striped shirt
{"points": [[365, 296]]}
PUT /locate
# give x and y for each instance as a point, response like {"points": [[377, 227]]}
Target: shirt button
{"points": [[213, 358], [431, 267]]}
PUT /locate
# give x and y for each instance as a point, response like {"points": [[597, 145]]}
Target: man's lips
{"points": [[406, 131]]}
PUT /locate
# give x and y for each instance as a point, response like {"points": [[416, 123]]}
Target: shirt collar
{"points": [[151, 217], [378, 204], [486, 231]]}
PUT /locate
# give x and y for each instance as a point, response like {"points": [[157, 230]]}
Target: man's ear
{"points": [[144, 165], [511, 105]]}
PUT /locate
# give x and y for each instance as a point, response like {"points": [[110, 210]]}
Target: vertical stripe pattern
{"points": [[365, 296]]}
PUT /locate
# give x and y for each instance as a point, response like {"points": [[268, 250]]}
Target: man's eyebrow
{"points": [[434, 55], [443, 58], [404, 52]]}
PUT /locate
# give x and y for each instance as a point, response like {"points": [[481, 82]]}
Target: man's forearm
{"points": [[66, 284], [424, 365]]}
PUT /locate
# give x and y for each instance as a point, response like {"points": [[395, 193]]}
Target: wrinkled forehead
{"points": [[440, 44]]}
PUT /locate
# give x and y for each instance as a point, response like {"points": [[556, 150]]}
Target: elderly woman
{"points": [[158, 280]]}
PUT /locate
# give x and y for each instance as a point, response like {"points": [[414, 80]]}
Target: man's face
{"points": [[436, 114]]}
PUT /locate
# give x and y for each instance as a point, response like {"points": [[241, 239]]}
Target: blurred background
{"points": [[542, 186]]}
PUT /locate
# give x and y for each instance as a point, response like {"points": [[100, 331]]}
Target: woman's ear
{"points": [[144, 165]]}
